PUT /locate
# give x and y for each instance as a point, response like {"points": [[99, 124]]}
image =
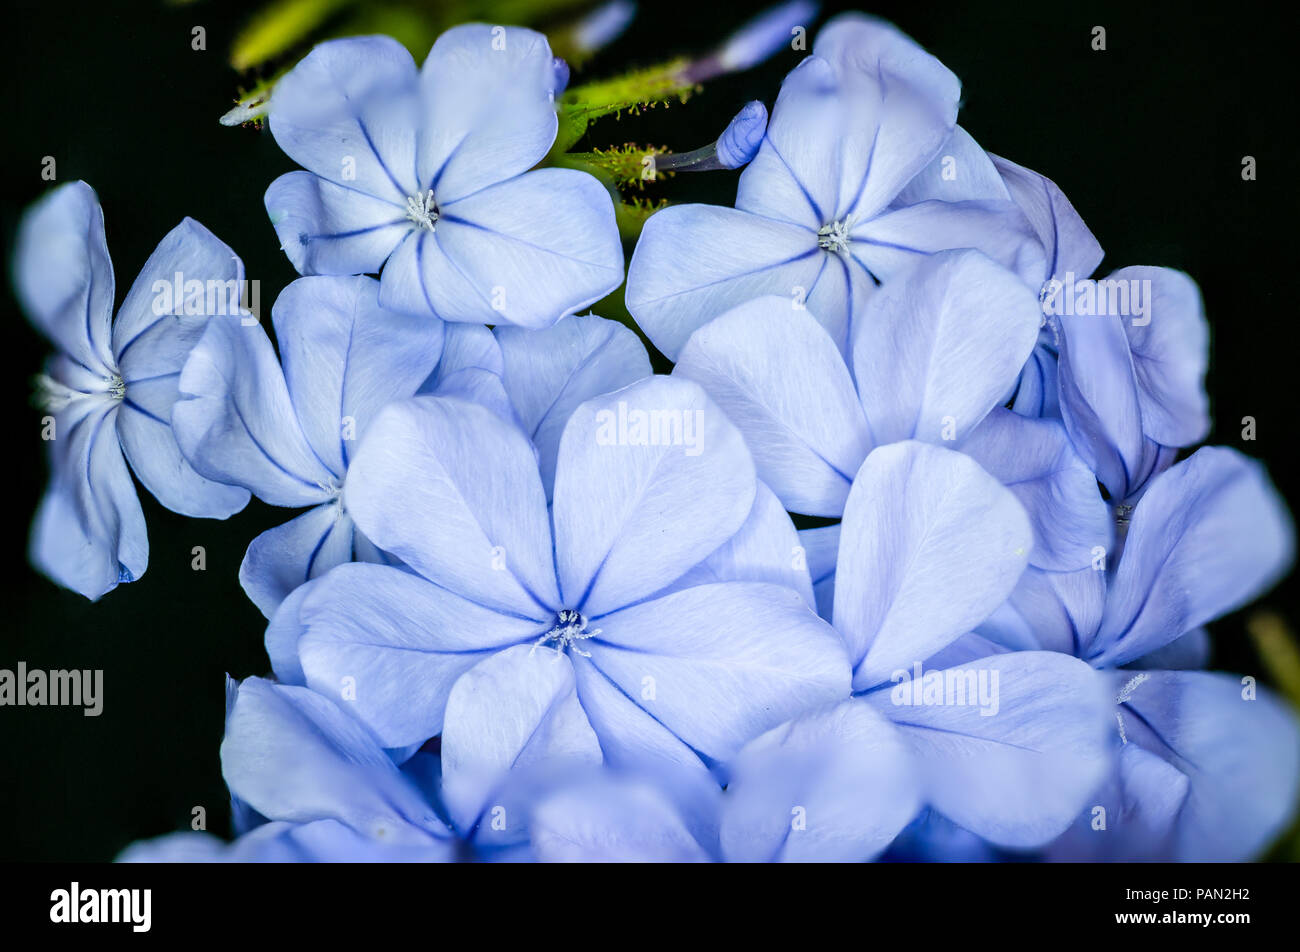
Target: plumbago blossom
{"points": [[582, 634], [286, 430], [110, 388], [425, 175], [540, 603], [820, 215]]}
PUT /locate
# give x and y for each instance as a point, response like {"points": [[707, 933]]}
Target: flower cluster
{"points": [[536, 602]]}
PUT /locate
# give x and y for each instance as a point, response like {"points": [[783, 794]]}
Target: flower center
{"points": [[570, 627], [53, 395], [835, 236], [421, 209]]}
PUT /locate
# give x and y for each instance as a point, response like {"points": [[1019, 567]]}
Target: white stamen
{"points": [[835, 236], [1125, 693], [421, 209], [570, 627]]}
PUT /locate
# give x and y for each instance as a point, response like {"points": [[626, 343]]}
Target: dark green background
{"points": [[1146, 138]]}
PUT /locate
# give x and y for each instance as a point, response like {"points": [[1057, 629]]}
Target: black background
{"points": [[1146, 138]]}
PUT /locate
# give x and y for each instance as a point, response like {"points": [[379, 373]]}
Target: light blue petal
{"points": [[636, 506], [345, 357], [1034, 459], [1017, 766], [487, 94], [1101, 405], [398, 643], [328, 229], [694, 262], [89, 530], [962, 171], [294, 755], [935, 351], [1052, 611], [235, 422], [822, 549], [1067, 243], [453, 491], [720, 664], [191, 277], [305, 547], [834, 786], [930, 545], [516, 712], [466, 345], [1171, 350], [765, 549], [347, 113], [613, 819], [781, 380], [1209, 535], [63, 276], [893, 241], [549, 373]]}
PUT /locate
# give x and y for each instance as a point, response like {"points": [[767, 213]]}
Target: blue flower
{"points": [[288, 434], [109, 391], [1208, 764], [624, 623], [931, 357], [425, 175], [818, 216]]}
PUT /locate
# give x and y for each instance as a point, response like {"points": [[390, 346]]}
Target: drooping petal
{"points": [[527, 251], [488, 108], [453, 491], [1209, 535], [516, 712], [63, 276], [781, 380], [235, 422], [1101, 405], [833, 786], [89, 531], [935, 351], [305, 547], [294, 755], [399, 643], [344, 357], [694, 262], [1034, 459], [1010, 746], [930, 545], [549, 373], [659, 449], [1170, 344], [347, 113], [328, 229], [720, 664], [1067, 243]]}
